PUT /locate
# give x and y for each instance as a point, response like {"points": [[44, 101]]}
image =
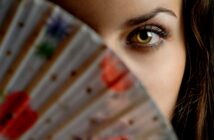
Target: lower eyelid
{"points": [[140, 46]]}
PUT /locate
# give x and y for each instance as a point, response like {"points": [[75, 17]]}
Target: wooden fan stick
{"points": [[9, 17], [70, 81], [10, 73], [51, 61]]}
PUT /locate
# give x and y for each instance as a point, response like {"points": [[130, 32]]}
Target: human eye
{"points": [[148, 36]]}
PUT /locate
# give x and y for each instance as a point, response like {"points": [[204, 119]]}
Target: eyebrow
{"points": [[148, 16]]}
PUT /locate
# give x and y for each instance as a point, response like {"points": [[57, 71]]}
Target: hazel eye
{"points": [[148, 36]]}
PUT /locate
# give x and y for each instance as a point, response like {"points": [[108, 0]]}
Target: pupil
{"points": [[144, 35]]}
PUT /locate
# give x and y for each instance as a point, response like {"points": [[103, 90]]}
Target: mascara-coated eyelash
{"points": [[146, 36]]}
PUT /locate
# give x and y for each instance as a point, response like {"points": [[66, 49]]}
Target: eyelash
{"points": [[151, 29]]}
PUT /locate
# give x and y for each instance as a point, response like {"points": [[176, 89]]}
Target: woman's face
{"points": [[147, 35]]}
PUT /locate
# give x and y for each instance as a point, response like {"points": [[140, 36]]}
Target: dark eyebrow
{"points": [[146, 17]]}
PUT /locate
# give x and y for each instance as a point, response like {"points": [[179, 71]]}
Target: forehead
{"points": [[107, 14]]}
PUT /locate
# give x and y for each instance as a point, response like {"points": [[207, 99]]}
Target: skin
{"points": [[159, 68]]}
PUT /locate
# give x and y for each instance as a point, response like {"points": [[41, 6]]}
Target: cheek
{"points": [[162, 74]]}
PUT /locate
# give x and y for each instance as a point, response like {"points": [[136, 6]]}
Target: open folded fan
{"points": [[58, 81]]}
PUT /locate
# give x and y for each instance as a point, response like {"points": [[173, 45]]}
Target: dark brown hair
{"points": [[194, 113]]}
